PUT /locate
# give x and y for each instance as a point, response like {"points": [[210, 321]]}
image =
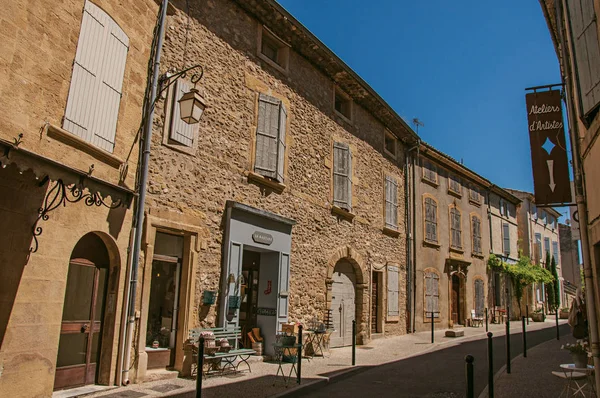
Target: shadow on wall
{"points": [[19, 203]]}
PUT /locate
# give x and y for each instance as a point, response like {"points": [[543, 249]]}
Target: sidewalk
{"points": [[532, 376], [262, 382]]}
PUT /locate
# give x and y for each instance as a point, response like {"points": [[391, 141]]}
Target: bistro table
{"points": [[287, 351], [580, 381], [316, 340]]}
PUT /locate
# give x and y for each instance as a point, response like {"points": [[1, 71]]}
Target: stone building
{"points": [[460, 219], [570, 263], [538, 237], [287, 200], [68, 121]]}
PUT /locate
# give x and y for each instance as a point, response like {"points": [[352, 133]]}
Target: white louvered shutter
{"points": [[342, 176], [587, 51], [393, 291], [506, 238], [391, 202], [281, 142], [181, 131], [96, 84], [267, 134]]}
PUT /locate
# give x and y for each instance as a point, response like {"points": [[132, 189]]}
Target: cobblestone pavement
{"points": [[317, 372]]}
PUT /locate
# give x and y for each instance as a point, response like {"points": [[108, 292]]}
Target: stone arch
{"points": [[361, 289]]}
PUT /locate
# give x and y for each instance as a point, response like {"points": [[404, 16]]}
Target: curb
{"points": [[314, 385]]}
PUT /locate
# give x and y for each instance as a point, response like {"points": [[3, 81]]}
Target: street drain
{"points": [[365, 348]]}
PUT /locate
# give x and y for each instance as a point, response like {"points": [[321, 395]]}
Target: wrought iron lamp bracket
{"points": [[164, 82]]}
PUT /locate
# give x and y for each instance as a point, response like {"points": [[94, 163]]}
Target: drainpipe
{"points": [[410, 241], [489, 212], [139, 221]]}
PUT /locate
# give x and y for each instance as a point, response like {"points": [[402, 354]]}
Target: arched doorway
{"points": [[83, 312], [343, 303], [457, 293]]}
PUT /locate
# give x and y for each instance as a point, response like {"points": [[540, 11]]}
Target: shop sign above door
{"points": [[548, 148], [262, 238]]}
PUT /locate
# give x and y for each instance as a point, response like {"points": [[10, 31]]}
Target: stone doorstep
{"points": [[160, 374], [375, 336], [455, 333]]}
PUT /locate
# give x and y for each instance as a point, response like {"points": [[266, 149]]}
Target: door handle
{"points": [[84, 328]]}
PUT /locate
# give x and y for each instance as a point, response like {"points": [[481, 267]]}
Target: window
{"points": [[546, 247], [429, 171], [453, 184], [180, 133], [544, 217], [390, 143], [342, 176], [534, 212], [456, 233], [479, 297], [506, 239], [342, 104], [476, 231], [538, 243], [474, 195], [504, 208], [273, 50], [432, 294], [582, 18], [270, 138], [393, 291], [431, 220], [555, 251], [391, 203], [96, 84]]}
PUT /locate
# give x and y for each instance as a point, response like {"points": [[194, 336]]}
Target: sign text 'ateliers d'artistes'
{"points": [[546, 125]]}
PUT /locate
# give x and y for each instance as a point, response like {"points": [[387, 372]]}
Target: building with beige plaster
{"points": [[68, 156]]}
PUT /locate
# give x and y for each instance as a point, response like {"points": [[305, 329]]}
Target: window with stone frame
{"points": [[273, 50], [453, 184], [431, 294], [455, 229], [342, 104], [270, 138], [431, 220], [474, 195], [476, 229], [391, 203], [342, 176], [429, 171], [506, 239], [390, 143]]}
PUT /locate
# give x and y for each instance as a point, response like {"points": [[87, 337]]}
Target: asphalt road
{"points": [[438, 374]]}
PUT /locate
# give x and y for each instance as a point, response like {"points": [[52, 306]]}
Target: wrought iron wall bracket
{"points": [[59, 194]]}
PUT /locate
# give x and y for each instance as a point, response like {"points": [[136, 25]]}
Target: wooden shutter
{"points": [[430, 220], [587, 51], [96, 84], [342, 176], [555, 251], [391, 202], [284, 287], [479, 297], [506, 238], [281, 142], [181, 131], [267, 136], [393, 291], [476, 234], [455, 221], [431, 294]]}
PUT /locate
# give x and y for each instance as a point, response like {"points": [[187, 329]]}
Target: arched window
{"points": [[431, 294], [430, 220], [455, 230]]}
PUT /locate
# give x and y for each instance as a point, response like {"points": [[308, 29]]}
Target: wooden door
{"points": [[81, 328], [343, 304], [456, 314]]}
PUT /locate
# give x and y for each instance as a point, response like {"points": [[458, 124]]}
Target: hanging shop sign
{"points": [[548, 148], [262, 238]]}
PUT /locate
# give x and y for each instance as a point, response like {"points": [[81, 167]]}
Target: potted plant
{"points": [[579, 352], [564, 313], [538, 315]]}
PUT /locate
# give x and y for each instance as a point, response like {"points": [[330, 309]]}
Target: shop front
{"points": [[255, 276]]}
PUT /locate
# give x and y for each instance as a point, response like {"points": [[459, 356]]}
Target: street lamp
{"points": [[191, 104]]}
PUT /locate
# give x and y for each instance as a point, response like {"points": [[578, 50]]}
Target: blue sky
{"points": [[460, 67]]}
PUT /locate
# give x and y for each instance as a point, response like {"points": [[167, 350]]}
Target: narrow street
{"points": [[436, 374]]}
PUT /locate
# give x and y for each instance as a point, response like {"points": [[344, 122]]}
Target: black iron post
{"points": [[490, 365], [354, 342], [527, 313], [557, 330], [507, 345], [299, 354], [200, 367], [469, 368], [524, 338], [486, 319], [432, 327]]}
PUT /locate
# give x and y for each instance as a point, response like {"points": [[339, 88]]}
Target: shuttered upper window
{"points": [[95, 92], [555, 251], [270, 138], [453, 184], [455, 230], [476, 229], [391, 203], [342, 176], [582, 17], [506, 239], [538, 243], [393, 290], [431, 220], [546, 247], [474, 195], [432, 294], [429, 172]]}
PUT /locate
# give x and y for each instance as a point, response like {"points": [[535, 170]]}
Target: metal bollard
{"points": [[490, 366], [507, 345], [524, 338], [432, 327], [299, 354], [527, 313], [200, 367], [557, 330], [354, 342], [486, 319], [469, 369]]}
